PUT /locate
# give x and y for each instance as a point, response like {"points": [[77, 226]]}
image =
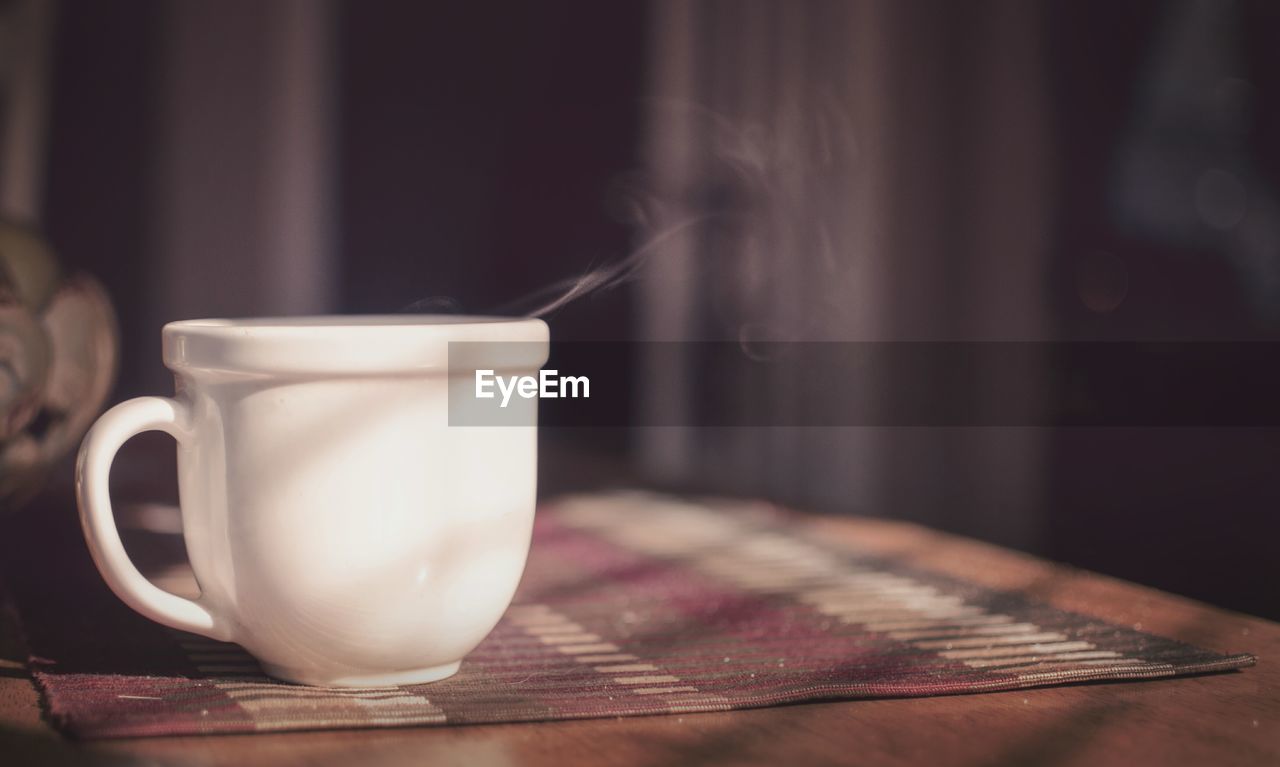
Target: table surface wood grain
{"points": [[1231, 718]]}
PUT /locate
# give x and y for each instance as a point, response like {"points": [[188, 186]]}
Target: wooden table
{"points": [[1231, 718]]}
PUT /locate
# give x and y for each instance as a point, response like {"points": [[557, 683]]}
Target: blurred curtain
{"points": [[191, 161], [872, 171], [243, 208], [26, 28]]}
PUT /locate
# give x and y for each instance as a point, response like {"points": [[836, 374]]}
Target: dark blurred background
{"points": [[987, 170]]}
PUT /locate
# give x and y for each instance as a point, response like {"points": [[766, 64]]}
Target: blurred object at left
{"points": [[58, 339], [58, 353]]}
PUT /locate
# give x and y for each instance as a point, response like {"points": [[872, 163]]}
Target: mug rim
{"points": [[329, 321], [353, 344]]}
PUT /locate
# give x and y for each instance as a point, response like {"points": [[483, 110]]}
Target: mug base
{"points": [[381, 679]]}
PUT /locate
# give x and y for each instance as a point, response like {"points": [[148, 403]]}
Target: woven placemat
{"points": [[631, 604]]}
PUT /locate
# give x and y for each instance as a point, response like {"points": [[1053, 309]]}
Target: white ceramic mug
{"points": [[340, 529]]}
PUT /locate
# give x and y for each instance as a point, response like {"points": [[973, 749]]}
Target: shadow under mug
{"points": [[340, 529]]}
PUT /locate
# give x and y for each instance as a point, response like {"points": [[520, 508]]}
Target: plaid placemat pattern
{"points": [[631, 604]]}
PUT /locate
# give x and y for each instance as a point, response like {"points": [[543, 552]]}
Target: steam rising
{"points": [[772, 195], [600, 278], [434, 305]]}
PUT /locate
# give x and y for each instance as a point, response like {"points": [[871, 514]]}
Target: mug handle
{"points": [[93, 470]]}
